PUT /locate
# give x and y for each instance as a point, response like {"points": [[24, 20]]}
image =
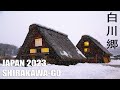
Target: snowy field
{"points": [[79, 71]]}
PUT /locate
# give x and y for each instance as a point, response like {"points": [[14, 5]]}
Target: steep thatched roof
{"points": [[60, 42], [97, 43]]}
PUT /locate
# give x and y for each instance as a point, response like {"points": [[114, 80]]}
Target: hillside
{"points": [[8, 50]]}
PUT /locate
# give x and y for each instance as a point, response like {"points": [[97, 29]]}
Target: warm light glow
{"points": [[86, 49], [45, 50], [32, 50], [38, 42], [86, 43]]}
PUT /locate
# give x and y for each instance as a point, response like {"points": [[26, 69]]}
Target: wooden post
{"points": [[96, 58]]}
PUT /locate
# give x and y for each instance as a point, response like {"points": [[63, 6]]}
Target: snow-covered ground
{"points": [[114, 62], [79, 71]]}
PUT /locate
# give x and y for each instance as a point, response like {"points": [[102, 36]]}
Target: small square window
{"points": [[38, 42], [86, 50], [86, 43], [33, 50], [44, 50]]}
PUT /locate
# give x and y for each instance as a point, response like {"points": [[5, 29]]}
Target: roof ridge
{"points": [[49, 29], [92, 38]]}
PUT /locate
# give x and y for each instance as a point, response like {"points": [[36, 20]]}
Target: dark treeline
{"points": [[7, 50]]}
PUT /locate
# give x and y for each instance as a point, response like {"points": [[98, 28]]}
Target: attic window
{"points": [[44, 50], [33, 50], [86, 43], [38, 42], [86, 50]]}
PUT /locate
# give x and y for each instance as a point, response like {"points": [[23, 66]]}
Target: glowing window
{"points": [[33, 51], [44, 50], [86, 43], [86, 50], [38, 42]]}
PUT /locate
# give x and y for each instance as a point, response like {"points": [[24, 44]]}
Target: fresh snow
{"points": [[79, 52], [65, 53], [78, 71], [114, 62]]}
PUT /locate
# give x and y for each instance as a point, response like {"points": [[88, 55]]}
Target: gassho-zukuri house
{"points": [[93, 50], [53, 46]]}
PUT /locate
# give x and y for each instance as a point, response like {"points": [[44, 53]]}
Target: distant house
{"points": [[117, 57], [45, 43], [93, 50]]}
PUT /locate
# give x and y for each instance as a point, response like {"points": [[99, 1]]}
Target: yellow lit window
{"points": [[45, 50], [33, 51], [86, 50], [86, 43], [38, 42]]}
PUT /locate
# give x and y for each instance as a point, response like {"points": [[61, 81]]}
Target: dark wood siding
{"points": [[96, 54]]}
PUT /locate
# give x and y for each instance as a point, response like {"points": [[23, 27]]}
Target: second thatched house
{"points": [[93, 50], [45, 43]]}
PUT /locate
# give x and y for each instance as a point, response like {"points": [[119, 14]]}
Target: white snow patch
{"points": [[79, 52], [65, 53], [70, 55], [14, 56]]}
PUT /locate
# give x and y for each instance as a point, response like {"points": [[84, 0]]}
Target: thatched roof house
{"points": [[93, 50], [54, 46]]}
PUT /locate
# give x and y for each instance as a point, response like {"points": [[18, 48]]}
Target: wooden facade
{"points": [[45, 43], [93, 50]]}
